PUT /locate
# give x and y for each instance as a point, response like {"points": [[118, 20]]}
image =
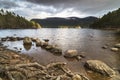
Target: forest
{"points": [[10, 20], [111, 20]]}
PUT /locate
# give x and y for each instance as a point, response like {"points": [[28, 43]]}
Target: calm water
{"points": [[86, 41]]}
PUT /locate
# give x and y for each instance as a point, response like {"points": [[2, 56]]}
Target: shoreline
{"points": [[15, 66]]}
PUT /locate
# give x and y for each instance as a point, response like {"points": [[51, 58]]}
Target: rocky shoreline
{"points": [[16, 66]]}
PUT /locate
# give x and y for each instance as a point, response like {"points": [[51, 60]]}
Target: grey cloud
{"points": [[7, 4], [54, 7], [86, 6]]}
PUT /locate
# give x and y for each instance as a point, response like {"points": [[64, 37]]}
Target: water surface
{"points": [[87, 41]]}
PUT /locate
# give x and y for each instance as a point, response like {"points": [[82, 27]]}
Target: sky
{"points": [[59, 8]]}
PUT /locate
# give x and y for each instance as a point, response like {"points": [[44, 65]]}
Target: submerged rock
{"points": [[71, 53], [105, 47], [56, 50], [100, 67], [3, 39]]}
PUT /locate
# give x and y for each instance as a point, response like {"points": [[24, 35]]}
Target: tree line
{"points": [[111, 20], [10, 20]]}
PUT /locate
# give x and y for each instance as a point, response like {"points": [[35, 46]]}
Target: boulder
{"points": [[100, 67], [27, 40], [71, 53]]}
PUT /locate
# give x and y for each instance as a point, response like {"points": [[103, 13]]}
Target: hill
{"points": [[70, 22], [110, 20], [9, 20]]}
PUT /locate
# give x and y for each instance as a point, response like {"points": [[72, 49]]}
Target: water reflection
{"points": [[27, 46]]}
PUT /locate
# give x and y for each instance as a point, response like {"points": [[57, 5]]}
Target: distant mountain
{"points": [[69, 22], [110, 20]]}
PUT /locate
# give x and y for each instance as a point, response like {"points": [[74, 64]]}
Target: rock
{"points": [[35, 39], [78, 57], [12, 39], [114, 49], [46, 40], [77, 77], [18, 76], [82, 55], [15, 48], [15, 56], [117, 45], [100, 67], [58, 78], [27, 40], [20, 48], [33, 78], [105, 47], [3, 39], [71, 53], [56, 50], [49, 47], [19, 38], [116, 77], [38, 42], [63, 77], [44, 44]]}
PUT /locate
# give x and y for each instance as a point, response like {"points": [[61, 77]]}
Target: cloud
{"points": [[82, 5], [7, 4], [86, 7], [60, 8]]}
